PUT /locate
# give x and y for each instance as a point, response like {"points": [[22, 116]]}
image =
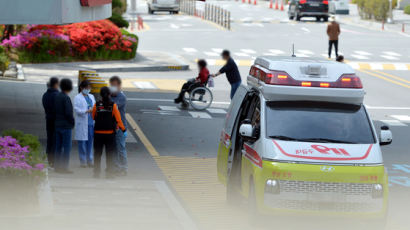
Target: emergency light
{"points": [[283, 78]]}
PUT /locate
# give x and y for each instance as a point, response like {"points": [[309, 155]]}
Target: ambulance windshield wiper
{"points": [[285, 138], [326, 140]]}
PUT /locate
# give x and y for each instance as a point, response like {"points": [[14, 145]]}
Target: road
{"points": [[179, 146]]}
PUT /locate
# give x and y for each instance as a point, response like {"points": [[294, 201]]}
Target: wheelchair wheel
{"points": [[200, 98]]}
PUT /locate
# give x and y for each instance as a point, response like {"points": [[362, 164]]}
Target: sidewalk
{"points": [[400, 20], [141, 200], [145, 61]]}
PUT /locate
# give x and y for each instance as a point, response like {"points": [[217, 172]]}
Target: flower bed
{"points": [[97, 40]]}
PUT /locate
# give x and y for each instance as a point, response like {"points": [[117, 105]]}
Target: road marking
{"points": [[173, 26], [220, 111], [144, 85], [393, 76], [306, 30], [249, 51], [385, 78], [217, 50], [200, 115], [276, 52], [387, 108], [404, 118], [364, 53], [357, 56], [213, 54], [168, 108], [141, 136], [392, 58], [308, 52], [190, 50], [241, 54], [169, 100], [390, 53], [393, 122], [175, 206]]}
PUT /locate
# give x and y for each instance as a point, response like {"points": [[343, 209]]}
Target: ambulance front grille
{"points": [[326, 206], [314, 186]]}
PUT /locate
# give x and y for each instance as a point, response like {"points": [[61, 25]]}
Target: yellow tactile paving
{"points": [[195, 181]]}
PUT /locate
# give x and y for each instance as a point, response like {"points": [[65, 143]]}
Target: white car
{"points": [[298, 139], [163, 5], [339, 7]]}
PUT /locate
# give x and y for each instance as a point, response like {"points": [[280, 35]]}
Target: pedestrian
{"points": [[232, 72], [200, 80], [340, 58], [107, 120], [64, 124], [84, 123], [333, 31], [119, 98], [49, 109]]}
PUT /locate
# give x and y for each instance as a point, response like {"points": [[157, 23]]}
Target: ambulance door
{"points": [[226, 136], [252, 148]]}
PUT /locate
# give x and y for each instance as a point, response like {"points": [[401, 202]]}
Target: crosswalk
{"points": [[175, 110], [251, 54], [213, 112]]}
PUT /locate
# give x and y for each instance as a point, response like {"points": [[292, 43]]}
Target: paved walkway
{"points": [[141, 200]]}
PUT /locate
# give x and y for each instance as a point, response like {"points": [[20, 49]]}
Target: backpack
{"points": [[104, 118]]}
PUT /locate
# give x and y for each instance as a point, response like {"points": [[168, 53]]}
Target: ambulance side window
{"points": [[254, 115]]}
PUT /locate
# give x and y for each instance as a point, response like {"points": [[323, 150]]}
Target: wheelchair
{"points": [[199, 97]]}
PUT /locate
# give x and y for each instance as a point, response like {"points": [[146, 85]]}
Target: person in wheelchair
{"points": [[191, 84]]}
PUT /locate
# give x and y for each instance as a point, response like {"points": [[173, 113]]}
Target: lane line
{"points": [[183, 218], [141, 136], [384, 78], [392, 76]]}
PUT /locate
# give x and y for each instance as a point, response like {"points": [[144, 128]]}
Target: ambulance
{"points": [[298, 139]]}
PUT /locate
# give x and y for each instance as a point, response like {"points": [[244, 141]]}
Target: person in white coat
{"points": [[84, 123]]}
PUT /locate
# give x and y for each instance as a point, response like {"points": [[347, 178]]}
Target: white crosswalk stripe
{"points": [[213, 54], [144, 85], [390, 57], [169, 108], [393, 122], [403, 118], [217, 50], [390, 53], [360, 57], [241, 54], [190, 50], [218, 111], [249, 51], [200, 115], [363, 53]]}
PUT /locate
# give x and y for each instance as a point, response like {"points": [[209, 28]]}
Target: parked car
{"points": [[163, 5], [309, 8], [339, 7]]}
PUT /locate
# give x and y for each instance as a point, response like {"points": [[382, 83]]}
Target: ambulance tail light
{"points": [[326, 2], [348, 81], [280, 78]]}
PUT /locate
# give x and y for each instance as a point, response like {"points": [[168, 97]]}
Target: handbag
{"points": [[211, 82]]}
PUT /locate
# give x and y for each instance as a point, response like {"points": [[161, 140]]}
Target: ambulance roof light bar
{"points": [[282, 78]]}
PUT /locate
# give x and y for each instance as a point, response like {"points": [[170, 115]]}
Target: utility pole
{"points": [[390, 18], [134, 6]]}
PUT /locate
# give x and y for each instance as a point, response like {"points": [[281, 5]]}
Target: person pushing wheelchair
{"points": [[191, 84]]}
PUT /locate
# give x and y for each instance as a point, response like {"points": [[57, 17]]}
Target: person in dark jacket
{"points": [[64, 124], [232, 72], [49, 109]]}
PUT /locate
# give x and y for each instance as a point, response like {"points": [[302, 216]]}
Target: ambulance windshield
{"points": [[318, 122]]}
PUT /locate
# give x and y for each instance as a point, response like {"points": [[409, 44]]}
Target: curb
{"points": [[143, 69], [20, 75]]}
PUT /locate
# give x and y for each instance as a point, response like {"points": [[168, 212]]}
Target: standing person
{"points": [[119, 98], [107, 120], [232, 72], [333, 31], [64, 124], [49, 109], [84, 123], [201, 80]]}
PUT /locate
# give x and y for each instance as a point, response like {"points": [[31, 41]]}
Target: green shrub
{"points": [[407, 9], [35, 155], [374, 9], [118, 20]]}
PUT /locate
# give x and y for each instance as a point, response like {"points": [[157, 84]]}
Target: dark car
{"points": [[308, 8]]}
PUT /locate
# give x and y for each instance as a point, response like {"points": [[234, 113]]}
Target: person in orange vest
{"points": [[107, 120]]}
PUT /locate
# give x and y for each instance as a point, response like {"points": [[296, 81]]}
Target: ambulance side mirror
{"points": [[246, 130], [386, 136]]}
